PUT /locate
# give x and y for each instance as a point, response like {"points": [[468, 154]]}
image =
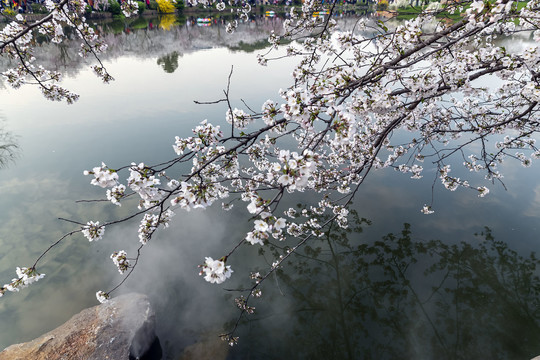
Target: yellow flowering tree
{"points": [[165, 6]]}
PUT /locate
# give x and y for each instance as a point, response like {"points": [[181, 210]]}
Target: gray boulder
{"points": [[122, 328]]}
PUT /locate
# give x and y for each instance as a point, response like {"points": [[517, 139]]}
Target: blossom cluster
{"points": [[198, 195], [206, 135], [93, 231], [102, 296], [143, 181], [150, 223], [215, 271], [25, 277], [238, 118], [119, 259], [293, 170], [116, 193], [264, 227], [103, 176], [241, 303], [129, 8]]}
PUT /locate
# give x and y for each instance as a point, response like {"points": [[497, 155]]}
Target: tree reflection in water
{"points": [[169, 62], [400, 298], [8, 148]]}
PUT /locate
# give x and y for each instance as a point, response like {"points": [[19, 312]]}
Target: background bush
{"points": [[165, 6], [38, 8], [179, 5], [114, 7], [142, 6]]}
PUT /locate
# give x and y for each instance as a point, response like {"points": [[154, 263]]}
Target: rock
{"points": [[122, 328]]}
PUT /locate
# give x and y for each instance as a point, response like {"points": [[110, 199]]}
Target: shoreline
{"points": [[97, 15]]}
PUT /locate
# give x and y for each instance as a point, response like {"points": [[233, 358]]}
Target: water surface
{"points": [[372, 296]]}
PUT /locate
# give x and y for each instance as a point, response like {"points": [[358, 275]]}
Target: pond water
{"points": [[369, 294]]}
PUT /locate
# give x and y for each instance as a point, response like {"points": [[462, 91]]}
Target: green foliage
{"points": [[142, 6], [41, 39], [153, 5], [88, 9], [250, 47], [116, 26], [114, 7], [139, 23], [179, 5], [9, 12], [68, 31], [38, 8], [169, 62], [181, 18]]}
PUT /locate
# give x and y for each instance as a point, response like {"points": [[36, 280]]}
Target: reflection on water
{"points": [[401, 298], [161, 35], [169, 62], [168, 21], [151, 36], [9, 147], [348, 295]]}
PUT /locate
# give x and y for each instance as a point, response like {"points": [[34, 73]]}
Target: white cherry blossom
{"points": [[215, 271]]}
